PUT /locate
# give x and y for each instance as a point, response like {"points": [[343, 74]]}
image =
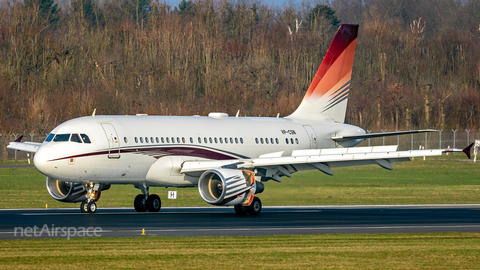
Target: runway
{"points": [[222, 221]]}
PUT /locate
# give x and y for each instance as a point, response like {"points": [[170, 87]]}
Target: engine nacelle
{"points": [[227, 186], [67, 191]]}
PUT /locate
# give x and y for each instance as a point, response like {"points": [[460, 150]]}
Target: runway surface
{"points": [[222, 221]]}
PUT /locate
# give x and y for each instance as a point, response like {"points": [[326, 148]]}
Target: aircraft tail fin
{"points": [[327, 95]]}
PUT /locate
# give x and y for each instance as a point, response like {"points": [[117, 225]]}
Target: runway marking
{"points": [[283, 229], [278, 206], [302, 228]]}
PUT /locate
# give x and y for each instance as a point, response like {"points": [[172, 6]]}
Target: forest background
{"points": [[417, 63]]}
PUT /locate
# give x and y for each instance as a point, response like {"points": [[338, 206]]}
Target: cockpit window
{"points": [[50, 137], [61, 138], [75, 138], [85, 138]]}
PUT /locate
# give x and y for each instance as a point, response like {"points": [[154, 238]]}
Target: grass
{"points": [[374, 251], [446, 179]]}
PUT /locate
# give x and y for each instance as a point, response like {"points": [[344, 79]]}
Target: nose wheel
{"points": [[93, 194], [88, 207]]}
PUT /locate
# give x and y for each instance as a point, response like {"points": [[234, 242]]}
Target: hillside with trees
{"points": [[417, 63]]}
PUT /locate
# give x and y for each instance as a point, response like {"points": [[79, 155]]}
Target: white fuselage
{"points": [[151, 149]]}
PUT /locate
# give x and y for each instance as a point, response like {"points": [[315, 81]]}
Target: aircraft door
{"points": [[312, 136], [113, 140]]}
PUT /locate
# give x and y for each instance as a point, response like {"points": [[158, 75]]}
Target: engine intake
{"points": [[226, 186], [67, 191]]}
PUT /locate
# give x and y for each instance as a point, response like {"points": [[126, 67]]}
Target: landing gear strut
{"points": [[93, 194], [253, 209], [145, 202]]}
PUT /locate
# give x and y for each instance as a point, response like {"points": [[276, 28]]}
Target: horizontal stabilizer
{"points": [[30, 147], [376, 135]]}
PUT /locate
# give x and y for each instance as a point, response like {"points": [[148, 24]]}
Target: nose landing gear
{"points": [[93, 194]]}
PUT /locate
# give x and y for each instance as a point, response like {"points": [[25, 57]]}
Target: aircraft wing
{"points": [[30, 147], [275, 165], [383, 134]]}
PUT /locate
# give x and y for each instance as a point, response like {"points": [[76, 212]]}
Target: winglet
{"points": [[467, 149], [19, 139]]}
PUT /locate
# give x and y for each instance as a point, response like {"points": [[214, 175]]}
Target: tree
{"points": [[186, 8], [320, 14], [47, 9]]}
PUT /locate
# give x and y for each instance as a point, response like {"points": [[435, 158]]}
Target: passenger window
{"points": [[271, 140], [141, 139], [241, 140], [210, 140], [50, 137], [291, 140], [183, 139], [75, 138], [156, 139], [221, 140], [286, 140], [215, 140], [61, 138], [205, 139], [296, 140], [276, 140], [191, 140], [151, 139], [146, 139], [173, 140], [199, 140], [168, 140], [256, 140], [231, 140], [136, 140], [236, 140], [125, 139], [266, 140], [163, 141], [226, 140], [261, 140]]}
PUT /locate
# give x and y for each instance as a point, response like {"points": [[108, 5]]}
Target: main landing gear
{"points": [[145, 202], [92, 195], [253, 209]]}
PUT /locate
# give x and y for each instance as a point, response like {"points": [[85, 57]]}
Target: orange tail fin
{"points": [[327, 95]]}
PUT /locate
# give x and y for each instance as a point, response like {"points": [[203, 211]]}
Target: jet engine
{"points": [[67, 191], [228, 186]]}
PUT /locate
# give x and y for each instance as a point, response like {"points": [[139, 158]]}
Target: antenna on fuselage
{"points": [[278, 115], [94, 111], [238, 112]]}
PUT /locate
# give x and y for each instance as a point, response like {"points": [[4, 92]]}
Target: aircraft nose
{"points": [[43, 159]]}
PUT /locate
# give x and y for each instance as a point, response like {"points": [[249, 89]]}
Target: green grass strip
{"points": [[355, 251]]}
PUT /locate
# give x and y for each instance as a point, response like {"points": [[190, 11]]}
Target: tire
{"points": [[84, 207], [255, 208], [139, 203], [153, 203], [240, 210], [92, 207]]}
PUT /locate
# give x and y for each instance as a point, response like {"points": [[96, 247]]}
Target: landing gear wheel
{"points": [[153, 203], [255, 208], [240, 210], [84, 207], [92, 207], [139, 203]]}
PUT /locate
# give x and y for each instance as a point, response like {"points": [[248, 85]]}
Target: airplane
{"points": [[227, 158]]}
